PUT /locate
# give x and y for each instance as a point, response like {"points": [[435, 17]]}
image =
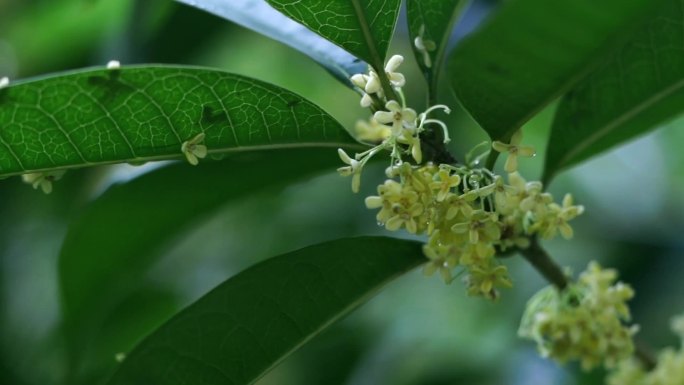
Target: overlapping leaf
{"points": [[362, 27], [640, 87], [145, 113], [113, 242], [534, 50], [251, 322], [261, 17]]}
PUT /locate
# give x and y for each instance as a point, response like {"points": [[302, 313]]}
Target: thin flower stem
{"points": [[542, 262], [645, 354]]}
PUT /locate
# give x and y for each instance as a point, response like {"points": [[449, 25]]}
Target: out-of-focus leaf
{"points": [[432, 22], [640, 87], [112, 243], [121, 329], [261, 17], [362, 27], [250, 323], [146, 113], [532, 51], [51, 34]]}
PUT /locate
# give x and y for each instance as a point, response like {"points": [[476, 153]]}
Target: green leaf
{"points": [[362, 27], [435, 19], [532, 51], [136, 316], [261, 17], [640, 87], [113, 242], [145, 113], [83, 24], [250, 323]]}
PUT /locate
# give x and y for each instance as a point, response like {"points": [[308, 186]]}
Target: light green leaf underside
{"points": [[144, 113], [362, 27], [436, 18], [639, 88], [534, 50], [251, 322], [112, 243], [259, 16]]}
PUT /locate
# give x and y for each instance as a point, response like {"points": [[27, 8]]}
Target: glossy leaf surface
{"points": [[532, 51], [145, 113], [362, 27], [251, 322], [639, 88]]}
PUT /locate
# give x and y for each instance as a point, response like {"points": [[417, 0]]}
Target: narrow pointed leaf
{"points": [[432, 22], [362, 27], [112, 243], [257, 15], [534, 50], [640, 87], [145, 113], [250, 323]]}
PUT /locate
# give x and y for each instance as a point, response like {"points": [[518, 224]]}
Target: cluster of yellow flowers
{"points": [[469, 215], [468, 212], [585, 321], [669, 368]]}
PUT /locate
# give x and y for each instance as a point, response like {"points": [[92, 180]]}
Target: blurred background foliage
{"points": [[417, 331]]}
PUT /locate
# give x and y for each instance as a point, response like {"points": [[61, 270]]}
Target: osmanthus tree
{"points": [[617, 67]]}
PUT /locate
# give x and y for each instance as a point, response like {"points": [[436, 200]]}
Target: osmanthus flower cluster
{"points": [[668, 370], [468, 212], [586, 321]]}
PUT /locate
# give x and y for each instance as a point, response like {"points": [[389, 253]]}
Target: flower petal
{"points": [[384, 117], [511, 164], [393, 63]]}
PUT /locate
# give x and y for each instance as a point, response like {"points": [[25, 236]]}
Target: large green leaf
{"points": [[534, 50], [145, 113], [112, 243], [251, 322], [261, 17], [640, 87], [432, 21], [362, 27]]}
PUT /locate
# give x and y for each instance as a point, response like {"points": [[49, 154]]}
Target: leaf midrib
{"points": [[377, 61], [347, 309], [367, 35], [179, 155]]}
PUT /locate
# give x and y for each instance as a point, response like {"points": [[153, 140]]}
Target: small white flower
{"points": [[514, 149], [354, 168], [43, 179], [396, 79], [400, 117], [359, 80], [424, 46], [193, 149], [113, 65], [373, 84], [362, 82]]}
